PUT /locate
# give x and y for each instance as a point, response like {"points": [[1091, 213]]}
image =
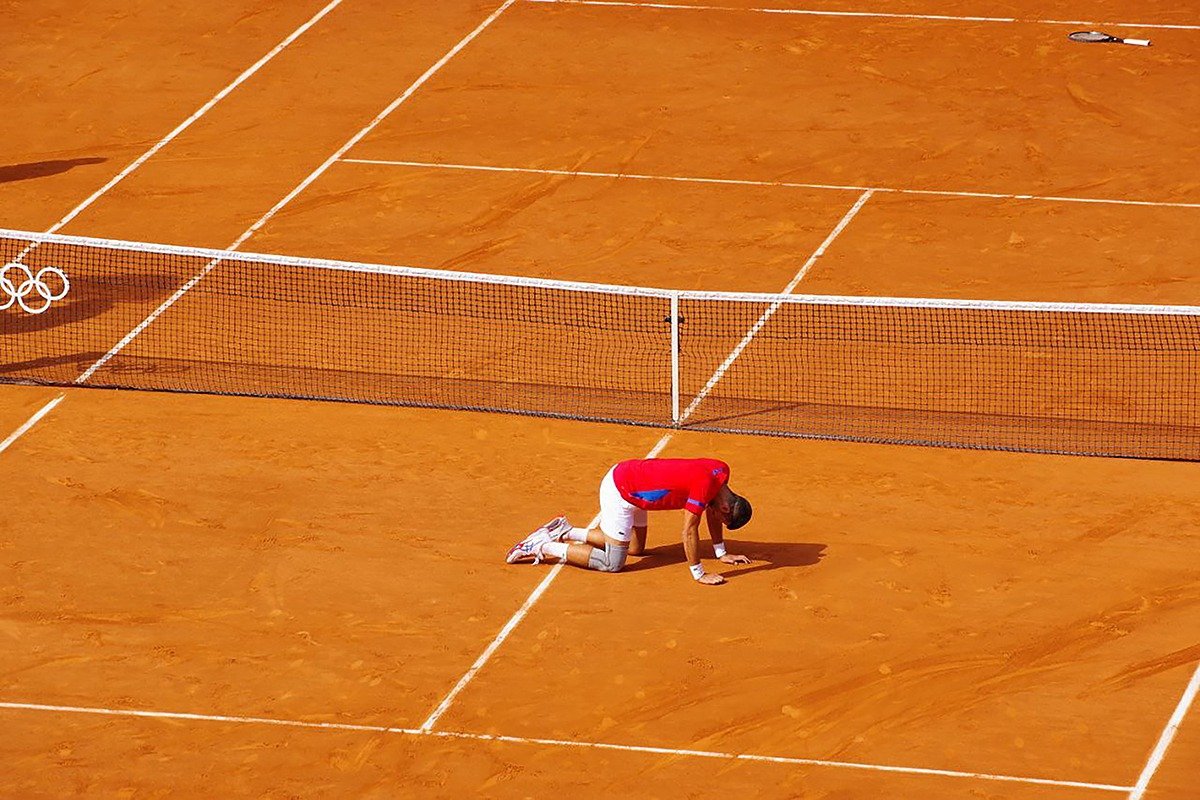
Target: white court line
{"points": [[429, 73], [142, 159], [200, 112], [771, 309], [654, 451], [878, 14], [129, 712], [813, 762], [304, 184], [484, 737], [508, 628], [1168, 734], [577, 173], [141, 326], [515, 620], [29, 423]]}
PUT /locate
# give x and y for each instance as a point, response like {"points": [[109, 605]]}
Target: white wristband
{"points": [[697, 570], [719, 549]]}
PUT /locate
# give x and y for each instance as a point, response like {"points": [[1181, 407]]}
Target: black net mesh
{"points": [[1081, 379]]}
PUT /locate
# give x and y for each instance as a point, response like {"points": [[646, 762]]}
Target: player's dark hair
{"points": [[739, 512]]}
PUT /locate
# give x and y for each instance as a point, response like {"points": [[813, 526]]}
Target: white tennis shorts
{"points": [[617, 515]]}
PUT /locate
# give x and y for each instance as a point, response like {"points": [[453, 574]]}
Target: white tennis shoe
{"points": [[558, 528], [531, 545]]}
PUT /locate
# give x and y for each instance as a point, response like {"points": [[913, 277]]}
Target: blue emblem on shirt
{"points": [[652, 495]]}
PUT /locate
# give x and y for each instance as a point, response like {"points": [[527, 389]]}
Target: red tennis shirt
{"points": [[658, 484]]}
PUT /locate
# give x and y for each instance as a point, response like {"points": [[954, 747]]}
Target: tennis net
{"points": [[1077, 379]]}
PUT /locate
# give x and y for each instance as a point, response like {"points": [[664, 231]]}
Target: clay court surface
{"points": [[218, 596]]}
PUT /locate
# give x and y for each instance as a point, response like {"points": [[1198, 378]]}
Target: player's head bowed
{"points": [[739, 512]]}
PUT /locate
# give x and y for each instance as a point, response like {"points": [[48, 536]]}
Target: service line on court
{"points": [[771, 309], [627, 748], [515, 620], [654, 451], [304, 184], [869, 14], [508, 628], [633, 176]]}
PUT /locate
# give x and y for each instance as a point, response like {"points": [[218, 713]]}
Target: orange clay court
{"points": [[223, 596]]}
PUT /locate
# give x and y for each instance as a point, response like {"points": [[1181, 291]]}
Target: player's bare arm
{"points": [[691, 549], [715, 516], [630, 490]]}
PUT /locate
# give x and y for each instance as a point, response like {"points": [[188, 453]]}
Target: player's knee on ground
{"points": [[610, 559]]}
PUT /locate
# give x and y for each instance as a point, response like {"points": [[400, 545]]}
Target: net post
{"points": [[675, 358]]}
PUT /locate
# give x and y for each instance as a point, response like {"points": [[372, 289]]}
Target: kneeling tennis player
{"points": [[628, 491]]}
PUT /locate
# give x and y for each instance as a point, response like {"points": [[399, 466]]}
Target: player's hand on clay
{"points": [[711, 579], [730, 558]]}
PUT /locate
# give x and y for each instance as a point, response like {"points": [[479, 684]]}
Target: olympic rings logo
{"points": [[43, 292]]}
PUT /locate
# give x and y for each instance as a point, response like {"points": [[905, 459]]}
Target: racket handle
{"points": [[1138, 42]]}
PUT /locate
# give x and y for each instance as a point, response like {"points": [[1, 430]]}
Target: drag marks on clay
{"points": [[1129, 676]]}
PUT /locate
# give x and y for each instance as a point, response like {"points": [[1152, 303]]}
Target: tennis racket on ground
{"points": [[1097, 36]]}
